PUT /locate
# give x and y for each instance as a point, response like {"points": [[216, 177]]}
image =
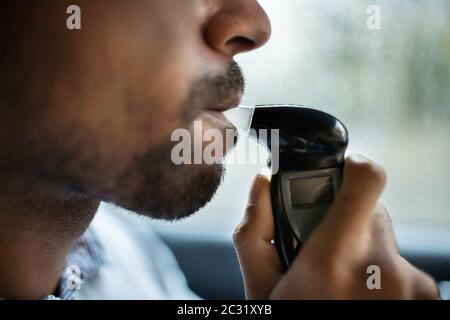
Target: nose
{"points": [[237, 26]]}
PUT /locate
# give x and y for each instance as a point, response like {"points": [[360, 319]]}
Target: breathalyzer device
{"points": [[311, 146]]}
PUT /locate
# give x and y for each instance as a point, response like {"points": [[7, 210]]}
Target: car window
{"points": [[384, 70]]}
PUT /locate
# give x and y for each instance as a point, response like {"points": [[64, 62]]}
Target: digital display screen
{"points": [[316, 190]]}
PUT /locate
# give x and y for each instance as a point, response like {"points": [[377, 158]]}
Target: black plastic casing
{"points": [[309, 140]]}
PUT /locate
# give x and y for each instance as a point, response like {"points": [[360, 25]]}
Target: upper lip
{"points": [[227, 104]]}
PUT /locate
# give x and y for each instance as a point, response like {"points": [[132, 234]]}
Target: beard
{"points": [[157, 188], [150, 184], [154, 186]]}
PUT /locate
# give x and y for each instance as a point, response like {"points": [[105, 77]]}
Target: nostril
{"points": [[241, 43]]}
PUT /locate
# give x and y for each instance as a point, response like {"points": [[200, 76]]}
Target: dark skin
{"points": [[86, 116]]}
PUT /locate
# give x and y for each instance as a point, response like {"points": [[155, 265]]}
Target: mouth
{"points": [[228, 104], [216, 113]]}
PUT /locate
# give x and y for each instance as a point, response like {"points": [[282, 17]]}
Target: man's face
{"points": [[93, 110]]}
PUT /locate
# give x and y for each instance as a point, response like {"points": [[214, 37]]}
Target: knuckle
{"points": [[382, 220], [382, 232], [400, 278], [381, 210], [242, 230], [363, 168], [241, 235], [394, 280], [433, 290], [428, 287]]}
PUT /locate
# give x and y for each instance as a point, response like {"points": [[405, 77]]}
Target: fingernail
{"points": [[255, 190]]}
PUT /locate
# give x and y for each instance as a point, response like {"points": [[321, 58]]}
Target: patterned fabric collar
{"points": [[82, 263]]}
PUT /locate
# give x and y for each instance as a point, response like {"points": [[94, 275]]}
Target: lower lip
{"points": [[220, 121]]}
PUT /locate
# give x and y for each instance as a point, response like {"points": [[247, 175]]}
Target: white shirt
{"points": [[136, 262]]}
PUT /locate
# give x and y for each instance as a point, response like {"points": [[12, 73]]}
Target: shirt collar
{"points": [[82, 263]]}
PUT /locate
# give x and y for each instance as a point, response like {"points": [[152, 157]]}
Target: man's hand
{"points": [[355, 234]]}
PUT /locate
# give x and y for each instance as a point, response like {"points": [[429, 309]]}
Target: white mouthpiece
{"points": [[241, 117]]}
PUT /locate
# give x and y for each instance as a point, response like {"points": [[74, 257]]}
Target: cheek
{"points": [[124, 90], [155, 85], [157, 64]]}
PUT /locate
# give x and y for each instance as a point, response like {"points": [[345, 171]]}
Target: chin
{"points": [[171, 193]]}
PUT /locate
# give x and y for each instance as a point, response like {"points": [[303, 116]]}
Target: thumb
{"points": [[258, 258]]}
